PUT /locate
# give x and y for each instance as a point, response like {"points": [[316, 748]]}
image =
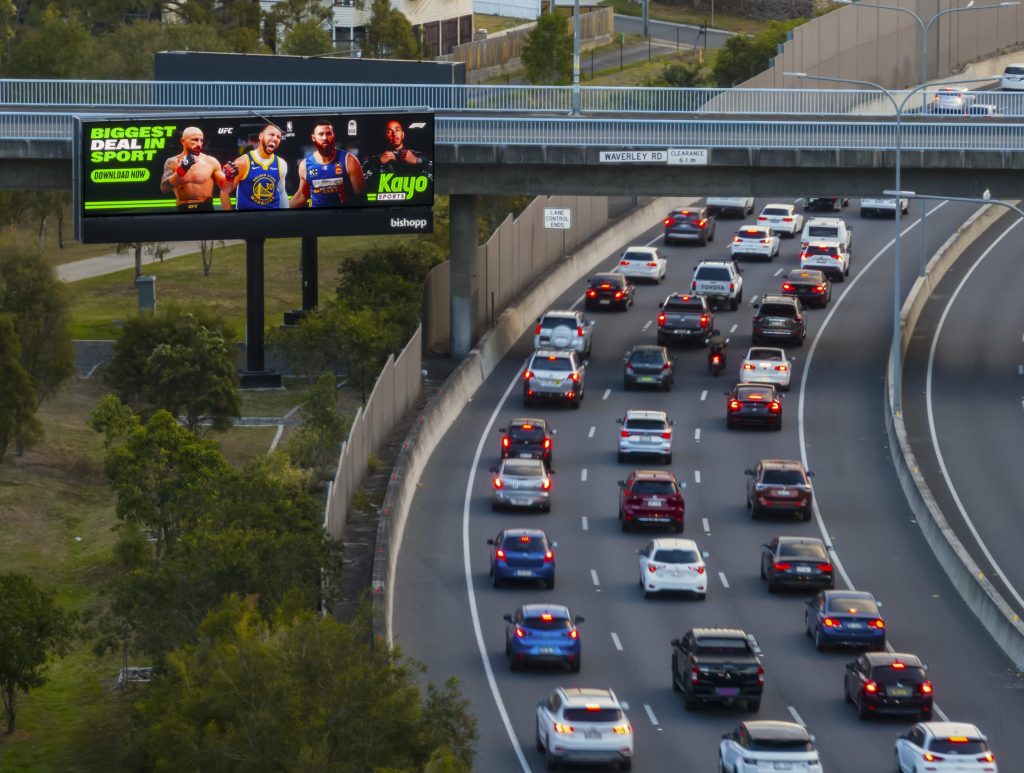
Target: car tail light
{"points": [[781, 566], [545, 484], [699, 570], [831, 622], [560, 728], [652, 264], [878, 623], [591, 293], [766, 241], [824, 567], [774, 406], [666, 366], [693, 285], [761, 218], [575, 376], [605, 286], [652, 568], [579, 331], [736, 240], [787, 287], [782, 368], [987, 757], [549, 557], [618, 294], [705, 319], [498, 483], [661, 320], [528, 375], [819, 289], [667, 222], [547, 443], [666, 435], [694, 677], [505, 442], [926, 688], [570, 395], [499, 553], [732, 286], [622, 729], [574, 634], [797, 318], [897, 666], [623, 262], [748, 366], [716, 358], [871, 688], [787, 220], [520, 633], [701, 223], [734, 405], [756, 398], [624, 433], [929, 757], [536, 330], [760, 675]]}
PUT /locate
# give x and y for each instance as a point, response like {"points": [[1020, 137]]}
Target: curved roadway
{"points": [[448, 616]]}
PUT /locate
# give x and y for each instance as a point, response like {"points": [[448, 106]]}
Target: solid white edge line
{"points": [[471, 593], [593, 576], [650, 714], [796, 716], [837, 563], [931, 418], [616, 642], [725, 582]]}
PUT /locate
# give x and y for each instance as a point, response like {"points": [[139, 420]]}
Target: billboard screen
{"points": [[241, 175]]}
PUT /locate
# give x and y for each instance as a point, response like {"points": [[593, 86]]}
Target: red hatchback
{"points": [[651, 497]]}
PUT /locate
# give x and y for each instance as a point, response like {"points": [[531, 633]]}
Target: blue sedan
{"points": [[542, 633], [522, 554], [848, 618]]}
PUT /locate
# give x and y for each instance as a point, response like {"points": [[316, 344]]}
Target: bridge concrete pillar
{"points": [[463, 241]]}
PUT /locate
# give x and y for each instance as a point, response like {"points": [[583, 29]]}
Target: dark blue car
{"points": [[522, 554], [845, 618], [542, 633]]}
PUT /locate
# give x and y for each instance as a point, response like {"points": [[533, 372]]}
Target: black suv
{"points": [[779, 317], [692, 224], [717, 665], [888, 683], [527, 439], [608, 290], [685, 318], [647, 365]]}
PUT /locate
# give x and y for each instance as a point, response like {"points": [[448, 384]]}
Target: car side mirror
{"points": [[586, 363], [554, 432], [622, 483], [661, 304], [850, 665], [493, 469], [766, 546], [490, 542], [501, 429], [748, 472], [554, 544], [625, 359], [675, 643], [810, 474], [578, 619], [672, 422], [754, 645], [755, 304], [590, 322], [792, 358], [618, 421], [726, 736], [705, 554], [507, 617]]}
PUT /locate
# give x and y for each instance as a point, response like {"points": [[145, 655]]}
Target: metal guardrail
{"points": [[174, 95], [949, 135]]}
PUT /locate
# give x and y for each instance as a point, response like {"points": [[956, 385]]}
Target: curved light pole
{"points": [[925, 27], [897, 355]]}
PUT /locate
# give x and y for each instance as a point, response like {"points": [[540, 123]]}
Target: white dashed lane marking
{"points": [[753, 300], [593, 576], [592, 431], [696, 476], [650, 715], [725, 582], [647, 326], [696, 434], [586, 524], [777, 272], [583, 475], [606, 393], [616, 642], [704, 395], [733, 329], [706, 524]]}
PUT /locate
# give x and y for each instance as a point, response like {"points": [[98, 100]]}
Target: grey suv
{"points": [[779, 317], [554, 375]]}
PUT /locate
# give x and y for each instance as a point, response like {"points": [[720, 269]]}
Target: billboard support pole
{"points": [[464, 237], [310, 286], [255, 376]]}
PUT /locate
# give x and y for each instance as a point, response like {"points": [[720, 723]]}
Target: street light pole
{"points": [[925, 27], [576, 58], [897, 355]]}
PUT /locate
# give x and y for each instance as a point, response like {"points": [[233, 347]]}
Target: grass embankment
{"points": [[676, 13]]}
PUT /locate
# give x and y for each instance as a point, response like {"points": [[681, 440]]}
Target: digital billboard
{"points": [[242, 175]]}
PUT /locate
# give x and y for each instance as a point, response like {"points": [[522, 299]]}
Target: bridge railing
{"points": [[969, 134], [33, 94]]}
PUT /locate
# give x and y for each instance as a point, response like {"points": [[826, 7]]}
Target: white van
{"points": [[826, 229]]}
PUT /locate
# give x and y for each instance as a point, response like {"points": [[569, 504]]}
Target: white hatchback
{"points": [[958, 747], [755, 240], [644, 263], [766, 365], [582, 724], [768, 745], [672, 564], [1013, 77], [645, 433], [782, 218]]}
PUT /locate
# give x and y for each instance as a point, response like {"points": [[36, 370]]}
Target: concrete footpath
{"points": [[113, 262]]}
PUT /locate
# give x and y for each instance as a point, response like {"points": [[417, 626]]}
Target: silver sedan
{"points": [[521, 483]]}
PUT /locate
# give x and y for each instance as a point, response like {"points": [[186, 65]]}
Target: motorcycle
{"points": [[716, 354]]}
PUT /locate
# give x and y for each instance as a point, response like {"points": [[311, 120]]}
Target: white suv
{"points": [[553, 374], [718, 280], [584, 724], [827, 229], [564, 330], [829, 257], [1013, 77], [646, 433]]}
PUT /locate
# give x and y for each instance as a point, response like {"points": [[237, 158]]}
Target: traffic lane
{"points": [[977, 353], [670, 31], [866, 515]]}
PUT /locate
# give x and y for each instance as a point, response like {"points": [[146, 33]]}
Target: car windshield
{"points": [[852, 606], [524, 542], [562, 364], [547, 623], [889, 675], [648, 487], [775, 212], [802, 550], [778, 310], [647, 355], [783, 477], [678, 304], [1011, 70], [780, 744], [823, 231], [593, 715], [713, 274], [644, 256], [523, 467], [957, 746], [554, 321], [720, 646], [534, 433], [765, 354], [645, 424], [676, 556]]}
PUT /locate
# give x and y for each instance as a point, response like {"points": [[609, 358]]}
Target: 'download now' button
{"points": [[127, 175]]}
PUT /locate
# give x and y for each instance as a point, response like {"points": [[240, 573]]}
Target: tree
{"points": [[18, 422], [8, 19], [304, 24], [33, 629], [389, 34], [315, 445], [38, 304], [547, 52], [289, 692], [206, 247], [195, 377], [46, 32], [745, 56], [682, 75]]}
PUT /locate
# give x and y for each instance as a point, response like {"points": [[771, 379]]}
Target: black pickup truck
{"points": [[717, 665], [685, 318]]}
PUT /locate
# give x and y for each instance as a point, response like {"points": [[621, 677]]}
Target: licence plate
{"points": [[525, 456], [783, 766], [855, 626], [520, 501], [655, 502], [727, 692], [546, 650], [592, 734], [754, 409], [550, 382], [785, 493], [524, 573], [605, 301], [803, 570], [646, 379], [900, 692], [649, 439]]}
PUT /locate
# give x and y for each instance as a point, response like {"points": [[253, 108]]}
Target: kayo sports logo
{"points": [[392, 187]]}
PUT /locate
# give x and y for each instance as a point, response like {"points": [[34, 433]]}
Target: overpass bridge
{"points": [[523, 140]]}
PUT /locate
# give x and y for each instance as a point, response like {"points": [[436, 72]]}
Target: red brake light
{"points": [[700, 570], [782, 368], [666, 366], [748, 366], [574, 634], [667, 435], [716, 358], [528, 375], [606, 286], [623, 262], [661, 319], [704, 319], [549, 557], [574, 376], [774, 406], [877, 623], [652, 264], [701, 223], [897, 666], [693, 285], [618, 294], [782, 566], [830, 622], [499, 553], [824, 567], [579, 331], [547, 443], [926, 688], [624, 433], [498, 483], [560, 728], [787, 220], [667, 222], [871, 688], [536, 330], [591, 293], [652, 568], [762, 217], [734, 405], [505, 442], [929, 757], [756, 398], [546, 484], [527, 426], [520, 633], [987, 757], [760, 675], [546, 617]]}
